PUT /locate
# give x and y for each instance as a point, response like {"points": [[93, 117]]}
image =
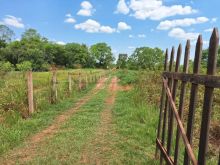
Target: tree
{"points": [[33, 49], [6, 35], [146, 58], [122, 61], [102, 54], [13, 52], [54, 54], [76, 55], [31, 35]]}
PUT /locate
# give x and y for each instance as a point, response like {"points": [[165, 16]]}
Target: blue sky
{"points": [[123, 24]]}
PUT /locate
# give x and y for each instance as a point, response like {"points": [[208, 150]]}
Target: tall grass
{"points": [[148, 86]]}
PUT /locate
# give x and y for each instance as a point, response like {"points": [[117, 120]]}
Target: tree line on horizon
{"points": [[35, 52]]}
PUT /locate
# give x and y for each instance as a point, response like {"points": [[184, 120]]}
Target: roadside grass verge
{"points": [[67, 145], [135, 124], [15, 130]]}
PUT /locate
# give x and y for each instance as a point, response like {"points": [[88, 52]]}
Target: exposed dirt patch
{"points": [[93, 153], [27, 152], [125, 88]]}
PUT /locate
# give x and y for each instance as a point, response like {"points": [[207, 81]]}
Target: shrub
{"points": [[24, 66], [6, 66]]}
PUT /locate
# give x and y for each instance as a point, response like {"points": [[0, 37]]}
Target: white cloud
{"points": [[86, 5], [179, 33], [60, 43], [141, 35], [69, 19], [92, 26], [123, 26], [68, 15], [13, 21], [107, 29], [214, 20], [131, 36], [122, 7], [167, 24], [153, 9], [86, 10], [208, 30]]}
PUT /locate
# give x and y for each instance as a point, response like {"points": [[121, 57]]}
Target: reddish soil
{"points": [[27, 153], [100, 144]]}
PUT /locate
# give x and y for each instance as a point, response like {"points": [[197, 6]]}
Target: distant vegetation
{"points": [[37, 53]]}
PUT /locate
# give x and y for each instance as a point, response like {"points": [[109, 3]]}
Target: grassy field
{"points": [[13, 95], [149, 85], [124, 133], [14, 129]]}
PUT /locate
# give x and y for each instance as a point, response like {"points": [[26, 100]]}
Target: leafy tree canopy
{"points": [[146, 58], [102, 54]]}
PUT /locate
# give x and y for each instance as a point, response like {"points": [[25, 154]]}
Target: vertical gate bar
{"points": [[208, 98], [162, 99], [193, 96], [175, 84], [167, 104], [182, 96]]}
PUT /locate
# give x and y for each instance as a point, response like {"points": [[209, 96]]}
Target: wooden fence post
{"points": [[193, 96], [182, 96], [208, 97], [80, 82], [86, 80], [162, 100], [54, 88], [167, 104], [30, 93], [174, 89], [70, 83]]}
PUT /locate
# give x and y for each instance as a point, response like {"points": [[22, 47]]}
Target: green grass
{"points": [[136, 127], [131, 138], [127, 77], [66, 146], [14, 130], [13, 88]]}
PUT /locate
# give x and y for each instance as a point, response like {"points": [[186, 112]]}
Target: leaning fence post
{"points": [[162, 100], [30, 93], [70, 83], [208, 97], [54, 88]]}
